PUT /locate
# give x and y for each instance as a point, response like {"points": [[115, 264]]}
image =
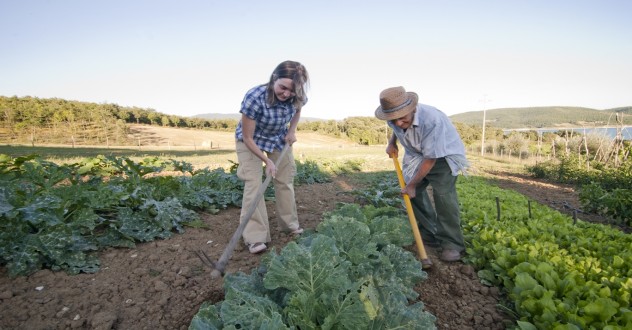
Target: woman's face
{"points": [[284, 89]]}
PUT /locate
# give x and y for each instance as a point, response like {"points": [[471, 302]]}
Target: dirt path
{"points": [[561, 197]]}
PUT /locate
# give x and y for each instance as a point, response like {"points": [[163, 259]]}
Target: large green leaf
{"points": [[343, 308], [245, 307], [139, 226], [313, 268], [25, 257], [43, 211], [169, 214], [5, 205], [407, 272], [356, 247], [602, 309], [388, 229], [207, 318]]}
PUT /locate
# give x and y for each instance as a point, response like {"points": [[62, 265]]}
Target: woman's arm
{"points": [[248, 128], [291, 133]]}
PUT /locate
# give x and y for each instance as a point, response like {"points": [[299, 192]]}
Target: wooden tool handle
{"points": [[409, 209]]}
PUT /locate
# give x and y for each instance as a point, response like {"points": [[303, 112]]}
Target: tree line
{"points": [[43, 121], [37, 120]]}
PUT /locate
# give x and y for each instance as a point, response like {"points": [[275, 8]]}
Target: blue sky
{"points": [[191, 57]]}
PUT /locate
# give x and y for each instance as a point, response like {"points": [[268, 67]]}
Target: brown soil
{"points": [[161, 284]]}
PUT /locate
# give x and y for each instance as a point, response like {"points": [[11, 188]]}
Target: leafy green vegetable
{"points": [[247, 307], [207, 318], [329, 280], [55, 216], [559, 273]]}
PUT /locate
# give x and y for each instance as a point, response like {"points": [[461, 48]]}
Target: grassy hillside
{"points": [[536, 117]]}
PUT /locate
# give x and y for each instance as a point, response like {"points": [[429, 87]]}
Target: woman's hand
{"points": [[270, 168], [290, 138]]}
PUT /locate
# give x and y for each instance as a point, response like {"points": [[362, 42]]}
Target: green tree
{"points": [[153, 117], [165, 121], [516, 144]]}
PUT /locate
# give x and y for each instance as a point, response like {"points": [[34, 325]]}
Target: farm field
{"points": [[161, 284]]}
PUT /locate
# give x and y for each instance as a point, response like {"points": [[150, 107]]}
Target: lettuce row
{"points": [[559, 274], [345, 275]]}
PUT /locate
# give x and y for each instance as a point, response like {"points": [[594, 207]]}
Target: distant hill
{"points": [[539, 117], [237, 116]]}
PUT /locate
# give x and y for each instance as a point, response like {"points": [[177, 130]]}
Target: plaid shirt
{"points": [[271, 122]]}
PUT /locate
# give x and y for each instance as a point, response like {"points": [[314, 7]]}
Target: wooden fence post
{"points": [[498, 209]]}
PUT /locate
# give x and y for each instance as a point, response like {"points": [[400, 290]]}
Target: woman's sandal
{"points": [[257, 247]]}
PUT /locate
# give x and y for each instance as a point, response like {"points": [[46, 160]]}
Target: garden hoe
{"points": [[425, 261], [219, 267]]}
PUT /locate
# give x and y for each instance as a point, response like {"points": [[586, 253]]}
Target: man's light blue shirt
{"points": [[432, 135]]}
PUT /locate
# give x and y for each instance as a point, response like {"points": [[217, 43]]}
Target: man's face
{"points": [[404, 122]]}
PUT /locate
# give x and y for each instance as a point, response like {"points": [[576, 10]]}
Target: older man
{"points": [[434, 155]]}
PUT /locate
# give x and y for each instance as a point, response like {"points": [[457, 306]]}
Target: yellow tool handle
{"points": [[411, 214]]}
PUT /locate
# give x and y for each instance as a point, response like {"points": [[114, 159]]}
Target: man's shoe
{"points": [[257, 247], [297, 231], [450, 255]]}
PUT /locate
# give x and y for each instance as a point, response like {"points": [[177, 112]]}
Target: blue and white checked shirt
{"points": [[271, 122]]}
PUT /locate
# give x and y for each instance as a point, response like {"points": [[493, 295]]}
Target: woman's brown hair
{"points": [[295, 71]]}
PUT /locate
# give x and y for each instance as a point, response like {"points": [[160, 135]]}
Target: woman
{"points": [[270, 114]]}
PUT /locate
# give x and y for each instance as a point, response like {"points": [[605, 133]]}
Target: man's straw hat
{"points": [[395, 103]]}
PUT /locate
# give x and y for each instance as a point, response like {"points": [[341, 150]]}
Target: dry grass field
{"points": [[181, 138], [203, 148]]}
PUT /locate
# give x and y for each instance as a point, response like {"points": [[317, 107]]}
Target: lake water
{"points": [[611, 132]]}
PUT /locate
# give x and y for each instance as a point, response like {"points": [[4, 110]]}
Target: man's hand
{"points": [[392, 150], [410, 190]]}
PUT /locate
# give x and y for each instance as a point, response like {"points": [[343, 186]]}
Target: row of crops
{"points": [[556, 273], [56, 216], [604, 187]]}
